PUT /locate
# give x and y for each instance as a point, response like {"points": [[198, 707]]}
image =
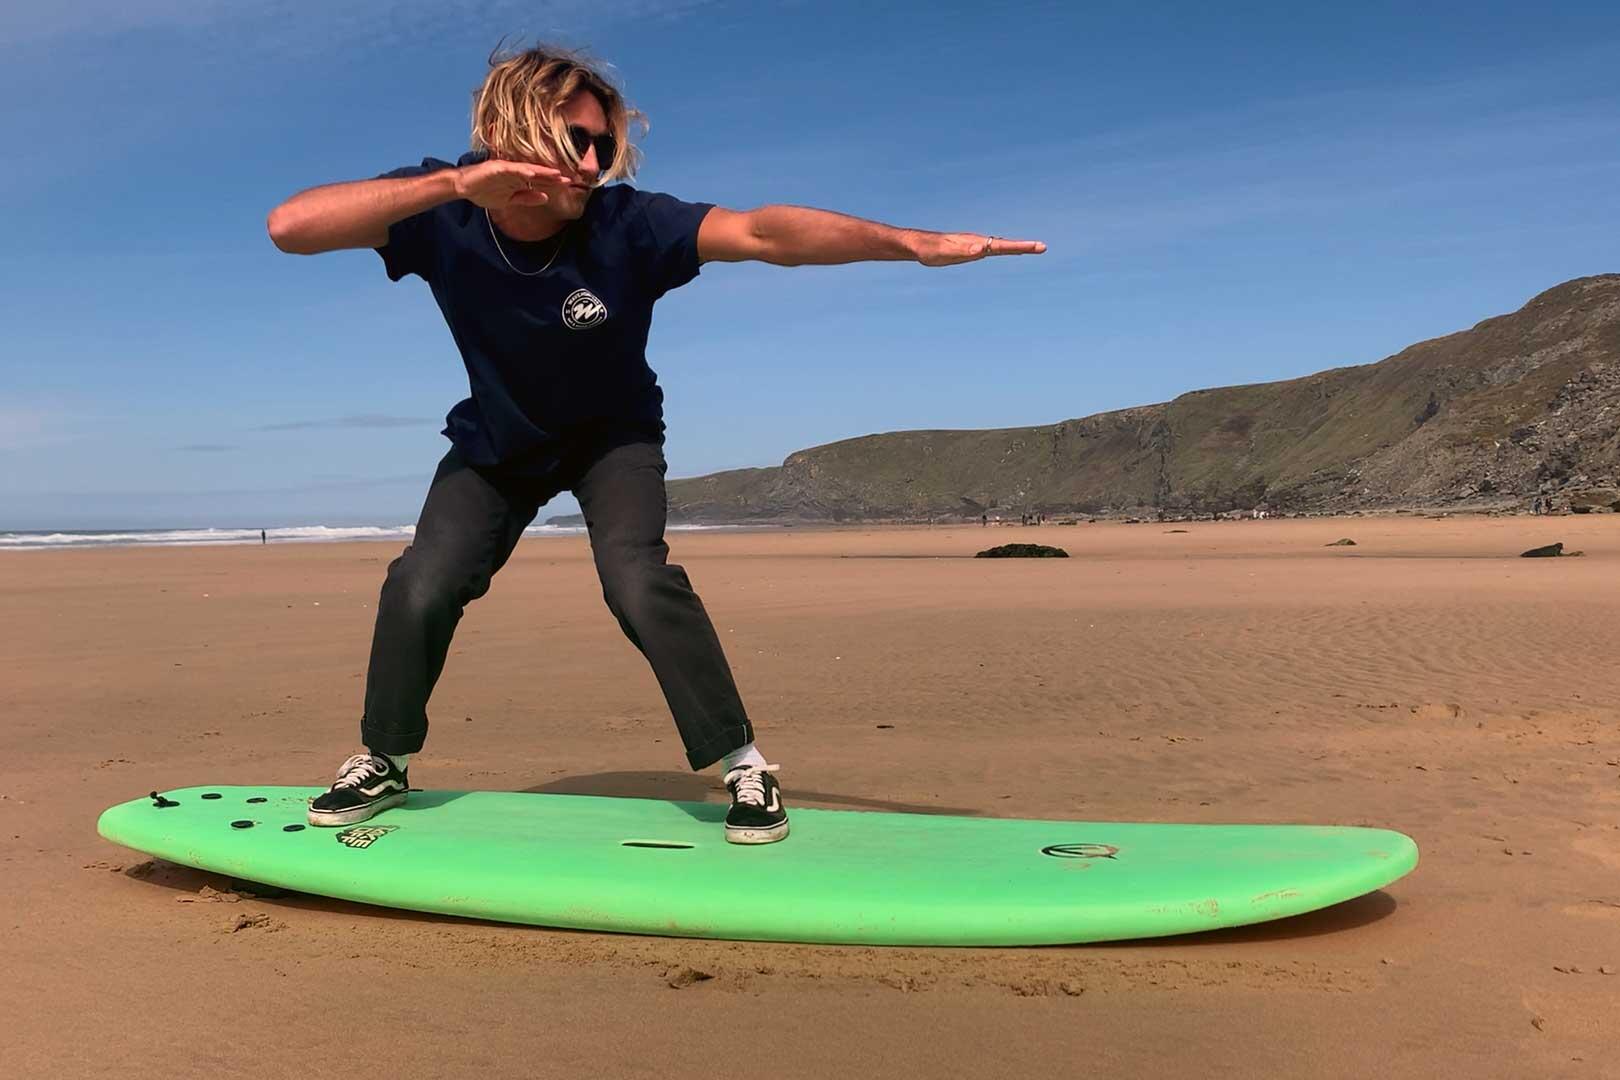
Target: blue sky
{"points": [[1230, 194]]}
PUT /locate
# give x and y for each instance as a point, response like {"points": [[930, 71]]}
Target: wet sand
{"points": [[1426, 680]]}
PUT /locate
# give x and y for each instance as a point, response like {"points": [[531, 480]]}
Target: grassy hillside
{"points": [[1520, 405]]}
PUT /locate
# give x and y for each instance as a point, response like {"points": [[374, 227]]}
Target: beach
{"points": [[1425, 679]]}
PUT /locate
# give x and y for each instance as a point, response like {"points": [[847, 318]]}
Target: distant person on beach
{"points": [[546, 272], [262, 538]]}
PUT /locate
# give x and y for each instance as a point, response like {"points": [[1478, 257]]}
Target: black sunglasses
{"points": [[606, 148]]}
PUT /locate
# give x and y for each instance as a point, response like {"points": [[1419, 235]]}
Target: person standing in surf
{"points": [[546, 270]]}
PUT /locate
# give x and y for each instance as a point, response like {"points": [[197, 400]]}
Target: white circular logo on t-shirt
{"points": [[582, 310]]}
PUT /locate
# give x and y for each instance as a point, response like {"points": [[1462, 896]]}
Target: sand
{"points": [[1426, 679]]}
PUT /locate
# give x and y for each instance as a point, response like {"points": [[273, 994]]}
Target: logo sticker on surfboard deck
{"points": [[363, 836]]}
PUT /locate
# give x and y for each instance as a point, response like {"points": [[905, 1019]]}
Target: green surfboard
{"points": [[651, 867]]}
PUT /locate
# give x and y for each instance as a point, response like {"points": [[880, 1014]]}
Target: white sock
{"points": [[743, 755], [399, 760]]}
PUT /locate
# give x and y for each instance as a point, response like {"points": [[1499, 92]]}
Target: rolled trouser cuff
{"points": [[392, 742], [733, 738]]}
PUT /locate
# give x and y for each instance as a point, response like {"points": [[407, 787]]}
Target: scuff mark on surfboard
{"points": [[1210, 908], [1275, 895]]}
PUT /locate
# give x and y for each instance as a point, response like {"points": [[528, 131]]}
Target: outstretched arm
{"points": [[801, 236]]}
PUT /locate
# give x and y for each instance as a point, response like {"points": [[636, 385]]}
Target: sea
{"points": [[49, 540]]}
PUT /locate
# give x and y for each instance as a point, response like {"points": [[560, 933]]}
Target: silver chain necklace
{"points": [[561, 236]]}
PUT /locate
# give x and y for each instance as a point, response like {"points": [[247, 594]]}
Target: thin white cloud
{"points": [[1324, 153], [311, 26], [369, 420], [23, 23], [20, 428], [30, 426], [360, 484]]}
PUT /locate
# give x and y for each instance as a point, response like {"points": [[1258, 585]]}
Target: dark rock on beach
{"points": [[1022, 551]]}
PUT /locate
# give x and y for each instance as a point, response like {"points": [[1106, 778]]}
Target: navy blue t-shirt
{"points": [[559, 357]]}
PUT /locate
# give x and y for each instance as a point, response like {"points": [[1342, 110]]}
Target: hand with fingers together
{"points": [[948, 249], [496, 183]]}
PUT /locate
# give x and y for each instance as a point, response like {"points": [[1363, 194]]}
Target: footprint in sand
{"points": [[1608, 910], [1606, 849]]}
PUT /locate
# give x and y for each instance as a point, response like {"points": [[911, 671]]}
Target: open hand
{"points": [[496, 184], [948, 249]]}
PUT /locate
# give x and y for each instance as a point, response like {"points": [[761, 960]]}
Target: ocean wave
{"points": [[305, 534], [192, 537]]}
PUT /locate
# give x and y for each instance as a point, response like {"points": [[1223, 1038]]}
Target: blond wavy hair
{"points": [[517, 112]]}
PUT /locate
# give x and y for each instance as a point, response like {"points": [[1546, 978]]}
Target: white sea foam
{"points": [[44, 540]]}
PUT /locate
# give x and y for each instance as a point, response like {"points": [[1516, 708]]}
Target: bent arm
{"points": [[356, 214]]}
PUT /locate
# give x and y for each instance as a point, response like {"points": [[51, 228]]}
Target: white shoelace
{"points": [[358, 769], [750, 783]]}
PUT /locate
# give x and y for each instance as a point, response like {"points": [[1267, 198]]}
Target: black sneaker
{"points": [[756, 815], [367, 784]]}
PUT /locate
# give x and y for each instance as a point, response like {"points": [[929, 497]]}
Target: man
{"points": [[547, 279]]}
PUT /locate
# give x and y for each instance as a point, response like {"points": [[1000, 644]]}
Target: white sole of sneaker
{"points": [[328, 818], [757, 836]]}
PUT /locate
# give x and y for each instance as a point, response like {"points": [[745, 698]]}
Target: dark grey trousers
{"points": [[470, 523]]}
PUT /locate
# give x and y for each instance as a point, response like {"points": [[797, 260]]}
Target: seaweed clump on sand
{"points": [[1022, 551]]}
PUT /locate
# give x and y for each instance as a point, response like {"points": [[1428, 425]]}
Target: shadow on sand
{"points": [[692, 787], [1346, 915], [1349, 915]]}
